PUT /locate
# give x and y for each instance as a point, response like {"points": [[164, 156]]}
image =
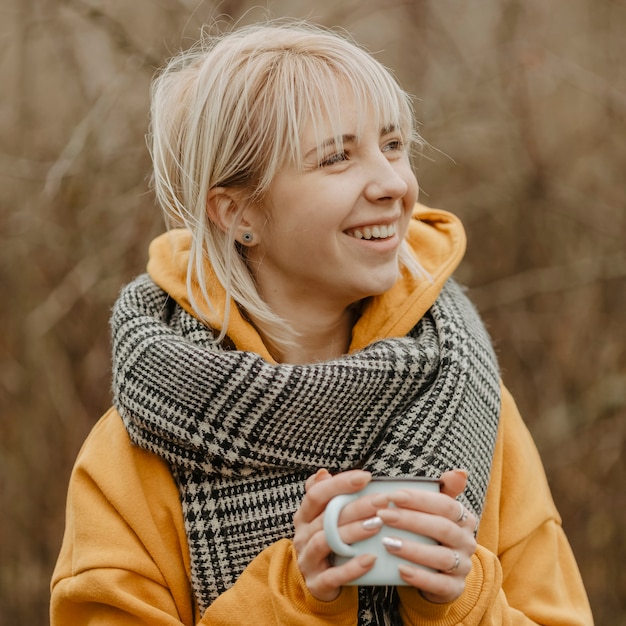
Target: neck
{"points": [[320, 336]]}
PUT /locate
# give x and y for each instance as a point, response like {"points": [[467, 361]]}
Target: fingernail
{"points": [[406, 571], [399, 497], [367, 560], [361, 478], [372, 523], [389, 515], [392, 543], [380, 500]]}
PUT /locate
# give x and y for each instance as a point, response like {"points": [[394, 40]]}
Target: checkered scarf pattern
{"points": [[241, 435]]}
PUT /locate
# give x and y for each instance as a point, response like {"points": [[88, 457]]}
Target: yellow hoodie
{"points": [[125, 560]]}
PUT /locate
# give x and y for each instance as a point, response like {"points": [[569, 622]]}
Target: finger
{"points": [[453, 482], [433, 503], [438, 527], [453, 485], [465, 518], [317, 548], [360, 512], [327, 584], [360, 530], [313, 558], [434, 586], [438, 558], [438, 572], [321, 474], [321, 492], [313, 555], [425, 501]]}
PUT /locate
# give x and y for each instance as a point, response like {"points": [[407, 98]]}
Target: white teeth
{"points": [[374, 232]]}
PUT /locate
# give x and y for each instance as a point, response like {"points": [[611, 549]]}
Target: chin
{"points": [[385, 283]]}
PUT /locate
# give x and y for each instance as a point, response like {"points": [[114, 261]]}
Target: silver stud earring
{"points": [[247, 237]]}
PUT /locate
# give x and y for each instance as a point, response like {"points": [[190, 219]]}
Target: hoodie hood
{"points": [[436, 237]]}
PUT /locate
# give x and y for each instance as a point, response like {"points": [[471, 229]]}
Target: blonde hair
{"points": [[229, 113]]}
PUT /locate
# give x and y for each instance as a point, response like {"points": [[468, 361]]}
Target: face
{"points": [[329, 231]]}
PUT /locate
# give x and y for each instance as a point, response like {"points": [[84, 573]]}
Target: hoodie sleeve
{"points": [[524, 571], [273, 586], [124, 559]]}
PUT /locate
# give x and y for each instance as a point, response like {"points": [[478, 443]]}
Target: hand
{"points": [[322, 580], [441, 517]]}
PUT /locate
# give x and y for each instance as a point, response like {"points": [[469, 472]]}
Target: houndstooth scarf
{"points": [[241, 435]]}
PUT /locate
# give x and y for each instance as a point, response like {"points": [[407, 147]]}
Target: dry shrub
{"points": [[524, 106]]}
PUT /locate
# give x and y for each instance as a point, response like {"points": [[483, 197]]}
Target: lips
{"points": [[377, 231]]}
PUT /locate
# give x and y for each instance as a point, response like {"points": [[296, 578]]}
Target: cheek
{"points": [[411, 196], [411, 181]]}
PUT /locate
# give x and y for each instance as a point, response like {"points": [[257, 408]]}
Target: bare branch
{"points": [[529, 284], [75, 284], [115, 30]]}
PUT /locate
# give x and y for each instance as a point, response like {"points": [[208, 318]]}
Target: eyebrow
{"points": [[347, 138], [331, 141]]}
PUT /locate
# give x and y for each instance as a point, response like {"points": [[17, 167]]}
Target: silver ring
{"points": [[457, 562], [462, 514]]}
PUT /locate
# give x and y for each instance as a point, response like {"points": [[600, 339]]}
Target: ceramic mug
{"points": [[385, 571]]}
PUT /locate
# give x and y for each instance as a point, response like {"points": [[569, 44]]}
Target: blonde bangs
{"points": [[310, 88]]}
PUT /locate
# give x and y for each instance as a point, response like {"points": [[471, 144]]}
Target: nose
{"points": [[384, 182]]}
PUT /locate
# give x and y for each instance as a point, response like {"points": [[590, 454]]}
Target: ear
{"points": [[225, 208]]}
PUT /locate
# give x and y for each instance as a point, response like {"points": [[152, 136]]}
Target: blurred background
{"points": [[523, 105]]}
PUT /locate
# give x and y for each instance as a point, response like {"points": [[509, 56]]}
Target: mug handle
{"points": [[331, 520]]}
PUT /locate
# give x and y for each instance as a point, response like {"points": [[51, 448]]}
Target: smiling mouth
{"points": [[380, 231]]}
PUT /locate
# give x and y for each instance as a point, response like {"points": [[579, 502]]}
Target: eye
{"points": [[394, 145], [332, 159]]}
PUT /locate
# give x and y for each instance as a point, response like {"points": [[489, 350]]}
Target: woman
{"points": [[297, 331]]}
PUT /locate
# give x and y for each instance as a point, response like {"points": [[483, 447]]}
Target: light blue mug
{"points": [[385, 571]]}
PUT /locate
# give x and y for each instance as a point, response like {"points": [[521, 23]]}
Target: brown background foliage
{"points": [[524, 105]]}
